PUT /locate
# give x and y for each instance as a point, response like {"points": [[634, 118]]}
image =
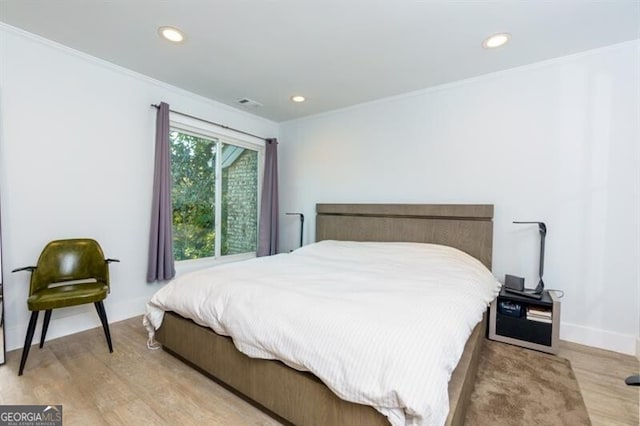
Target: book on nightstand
{"points": [[539, 314], [510, 308]]}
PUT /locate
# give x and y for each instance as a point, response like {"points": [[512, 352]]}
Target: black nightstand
{"points": [[526, 322]]}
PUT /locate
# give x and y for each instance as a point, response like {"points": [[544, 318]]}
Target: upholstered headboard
{"points": [[467, 227]]}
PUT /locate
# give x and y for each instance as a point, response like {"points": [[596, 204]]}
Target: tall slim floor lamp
{"points": [[301, 223], [633, 380]]}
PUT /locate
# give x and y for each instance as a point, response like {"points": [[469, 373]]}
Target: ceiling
{"points": [[336, 53]]}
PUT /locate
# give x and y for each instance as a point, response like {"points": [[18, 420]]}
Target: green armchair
{"points": [[69, 273]]}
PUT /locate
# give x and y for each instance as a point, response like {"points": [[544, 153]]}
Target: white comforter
{"points": [[381, 324]]}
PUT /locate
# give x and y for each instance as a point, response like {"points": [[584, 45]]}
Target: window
{"points": [[214, 192]]}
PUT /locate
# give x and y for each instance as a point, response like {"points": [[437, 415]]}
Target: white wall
{"points": [[554, 142], [76, 159]]}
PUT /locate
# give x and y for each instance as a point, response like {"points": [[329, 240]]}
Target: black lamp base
{"points": [[633, 380]]}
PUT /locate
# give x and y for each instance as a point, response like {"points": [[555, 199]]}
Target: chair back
{"points": [[69, 260]]}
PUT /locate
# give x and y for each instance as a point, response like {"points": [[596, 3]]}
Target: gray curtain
{"points": [[161, 264], [268, 240]]}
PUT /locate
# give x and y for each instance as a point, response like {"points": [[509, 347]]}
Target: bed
{"points": [[299, 397]]}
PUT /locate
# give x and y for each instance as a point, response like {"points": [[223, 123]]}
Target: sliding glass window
{"points": [[214, 193]]}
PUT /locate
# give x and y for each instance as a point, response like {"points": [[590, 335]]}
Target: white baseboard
{"points": [[75, 320], [603, 339], [86, 318]]}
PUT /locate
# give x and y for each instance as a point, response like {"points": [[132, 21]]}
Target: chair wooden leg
{"points": [[45, 326], [102, 313], [28, 340]]}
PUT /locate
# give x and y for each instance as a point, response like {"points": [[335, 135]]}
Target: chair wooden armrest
{"points": [[26, 268]]}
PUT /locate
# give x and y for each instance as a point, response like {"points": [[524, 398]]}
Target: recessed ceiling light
{"points": [[171, 34], [496, 40], [298, 98]]}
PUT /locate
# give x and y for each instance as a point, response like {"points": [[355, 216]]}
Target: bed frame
{"points": [[300, 397]]}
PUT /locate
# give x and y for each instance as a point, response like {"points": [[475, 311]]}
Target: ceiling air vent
{"points": [[249, 103]]}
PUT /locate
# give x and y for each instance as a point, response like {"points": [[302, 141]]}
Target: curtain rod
{"points": [[214, 123]]}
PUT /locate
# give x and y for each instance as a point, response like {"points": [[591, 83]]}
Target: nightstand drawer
{"points": [[524, 329]]}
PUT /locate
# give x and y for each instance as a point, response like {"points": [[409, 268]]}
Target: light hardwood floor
{"points": [[135, 386], [601, 377]]}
